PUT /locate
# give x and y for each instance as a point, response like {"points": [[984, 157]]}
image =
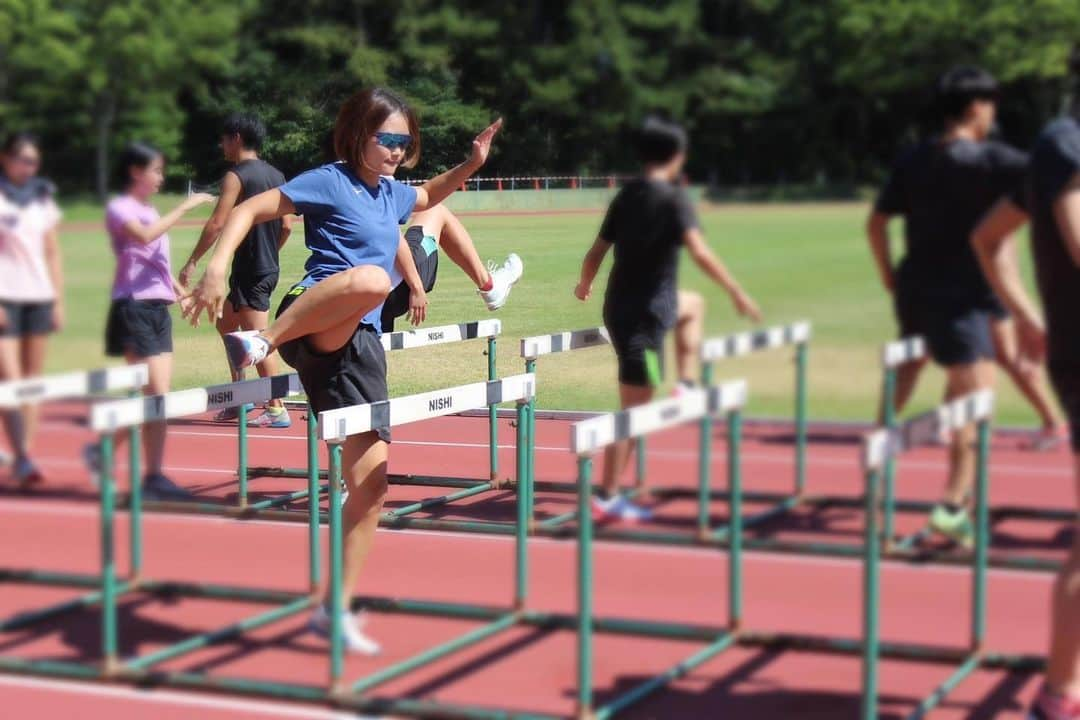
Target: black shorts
{"points": [[353, 375], [142, 328], [425, 252], [639, 348], [955, 334], [27, 318], [252, 292], [1065, 377]]}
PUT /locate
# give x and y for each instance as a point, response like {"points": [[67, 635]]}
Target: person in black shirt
{"points": [[255, 266], [1050, 196], [648, 222], [942, 188]]}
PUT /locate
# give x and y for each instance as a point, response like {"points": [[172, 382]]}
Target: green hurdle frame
{"points": [[489, 330], [879, 450], [895, 355]]}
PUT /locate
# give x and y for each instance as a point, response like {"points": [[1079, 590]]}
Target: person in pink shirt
{"points": [[31, 294], [139, 327]]}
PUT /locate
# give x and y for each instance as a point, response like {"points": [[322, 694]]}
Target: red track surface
{"points": [[526, 670]]}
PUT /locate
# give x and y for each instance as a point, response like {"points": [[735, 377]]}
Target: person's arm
{"points": [[594, 258], [406, 265], [286, 230], [230, 193], [55, 261], [704, 258], [147, 234], [1067, 214], [877, 234], [995, 246], [209, 294], [437, 189]]}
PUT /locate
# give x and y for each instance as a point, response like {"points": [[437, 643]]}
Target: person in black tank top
{"points": [[942, 188], [255, 266], [1050, 196]]}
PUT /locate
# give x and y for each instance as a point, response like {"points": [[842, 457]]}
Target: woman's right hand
{"points": [[195, 200], [209, 296]]}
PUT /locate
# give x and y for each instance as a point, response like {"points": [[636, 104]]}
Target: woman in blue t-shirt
{"points": [[328, 326]]}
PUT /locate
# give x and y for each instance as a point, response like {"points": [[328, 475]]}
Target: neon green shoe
{"points": [[955, 526]]}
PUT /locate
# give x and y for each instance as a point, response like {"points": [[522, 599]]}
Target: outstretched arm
{"points": [[590, 266], [437, 189], [230, 192], [877, 234], [147, 234], [210, 293], [704, 258]]}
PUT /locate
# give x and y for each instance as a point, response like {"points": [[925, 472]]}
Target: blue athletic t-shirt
{"points": [[347, 223]]}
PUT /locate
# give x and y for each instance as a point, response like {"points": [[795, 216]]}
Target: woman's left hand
{"points": [[481, 146]]}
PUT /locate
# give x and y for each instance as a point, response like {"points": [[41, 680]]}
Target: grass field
{"points": [[799, 261]]}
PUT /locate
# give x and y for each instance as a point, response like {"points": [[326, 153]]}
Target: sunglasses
{"points": [[393, 141]]}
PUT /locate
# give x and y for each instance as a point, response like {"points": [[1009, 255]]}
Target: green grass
{"points": [[799, 261]]}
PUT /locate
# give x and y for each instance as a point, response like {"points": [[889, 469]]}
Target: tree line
{"points": [[772, 91]]}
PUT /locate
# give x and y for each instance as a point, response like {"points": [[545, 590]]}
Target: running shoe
{"points": [[5, 459], [619, 507], [351, 629], [158, 487], [91, 454], [503, 278], [956, 526], [271, 420], [245, 348], [1051, 707], [26, 473], [1044, 440]]}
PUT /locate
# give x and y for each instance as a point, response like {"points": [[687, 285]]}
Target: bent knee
{"points": [[369, 280]]}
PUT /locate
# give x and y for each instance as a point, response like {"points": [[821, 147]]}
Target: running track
{"points": [[56, 529]]}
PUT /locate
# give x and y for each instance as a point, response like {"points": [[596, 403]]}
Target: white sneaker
{"points": [[245, 348], [503, 278], [355, 640], [619, 507]]}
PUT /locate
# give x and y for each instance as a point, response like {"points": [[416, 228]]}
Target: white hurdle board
{"points": [[337, 425], [117, 414], [534, 347], [752, 341], [902, 351], [422, 337], [590, 435], [67, 386]]}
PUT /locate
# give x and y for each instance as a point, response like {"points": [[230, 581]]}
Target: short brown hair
{"points": [[360, 117]]}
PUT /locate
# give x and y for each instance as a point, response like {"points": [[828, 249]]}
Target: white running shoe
{"points": [[619, 507], [503, 278], [245, 348], [355, 640]]}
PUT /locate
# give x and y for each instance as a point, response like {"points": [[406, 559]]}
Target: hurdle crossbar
{"points": [[72, 385]]}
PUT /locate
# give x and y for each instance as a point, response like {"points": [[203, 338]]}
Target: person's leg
{"points": [[230, 322], [907, 379], [160, 380], [963, 380], [32, 349], [364, 460], [11, 369], [252, 319], [689, 333], [617, 455], [1025, 376], [455, 241], [326, 314], [1063, 663]]}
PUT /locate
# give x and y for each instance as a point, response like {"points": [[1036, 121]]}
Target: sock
{"points": [[486, 287]]}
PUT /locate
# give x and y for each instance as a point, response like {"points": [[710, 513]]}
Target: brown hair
{"points": [[360, 117]]}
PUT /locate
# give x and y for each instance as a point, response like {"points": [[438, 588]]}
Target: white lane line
{"points": [[169, 697], [84, 511]]}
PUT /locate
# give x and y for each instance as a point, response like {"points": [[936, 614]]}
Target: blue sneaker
{"points": [[158, 487], [271, 420]]}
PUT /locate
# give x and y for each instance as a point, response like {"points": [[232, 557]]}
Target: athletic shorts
{"points": [[425, 252], [252, 292], [639, 348], [26, 319], [955, 335], [352, 375], [142, 328]]}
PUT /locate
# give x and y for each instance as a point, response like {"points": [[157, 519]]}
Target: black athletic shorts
{"points": [[253, 292], [353, 375], [25, 319], [955, 334], [140, 327], [639, 347], [425, 252]]}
